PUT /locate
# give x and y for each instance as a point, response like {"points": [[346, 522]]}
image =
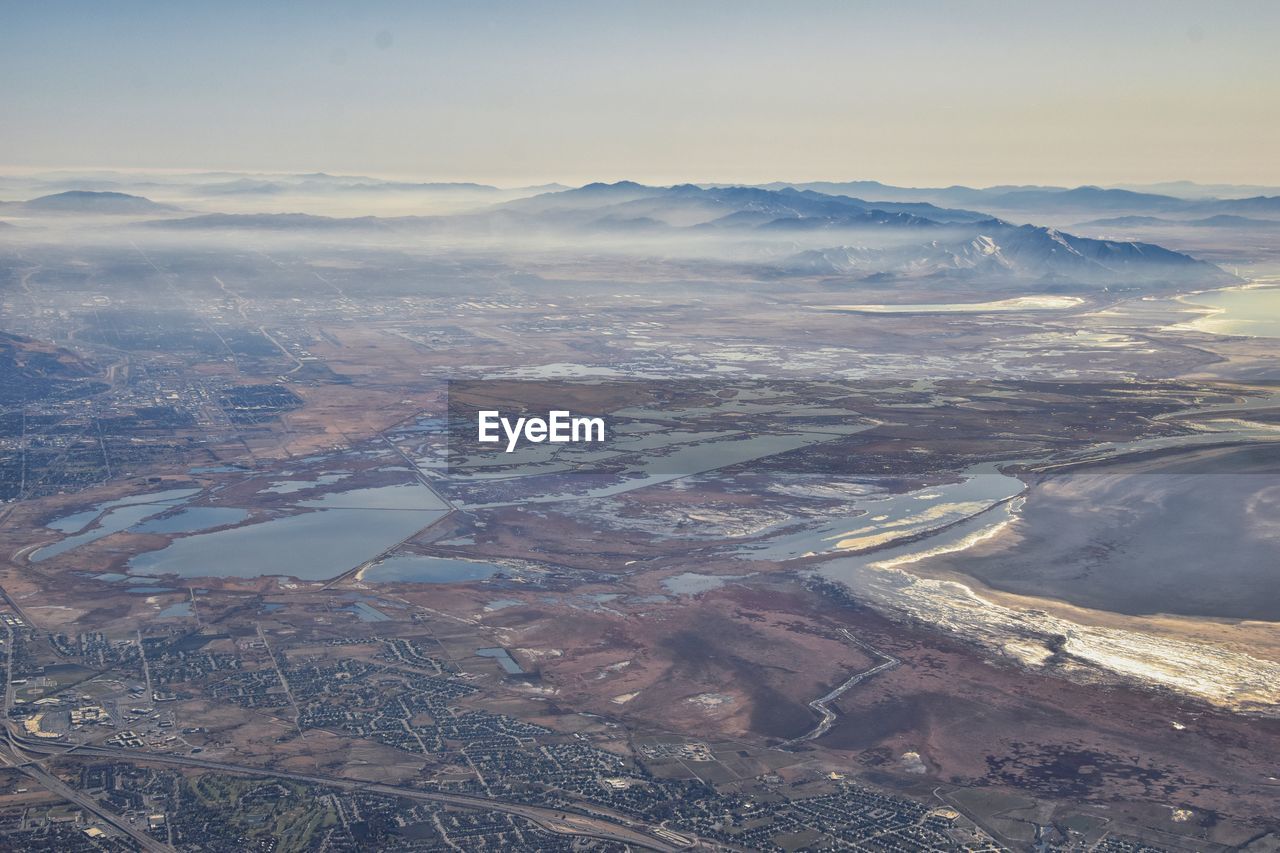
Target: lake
{"points": [[414, 568], [192, 519], [313, 545], [366, 613], [1252, 311], [1190, 533], [113, 521]]}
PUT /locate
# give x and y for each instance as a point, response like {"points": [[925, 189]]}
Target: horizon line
{"points": [[36, 171]]}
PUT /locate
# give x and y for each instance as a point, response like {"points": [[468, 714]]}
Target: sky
{"points": [[923, 94]]}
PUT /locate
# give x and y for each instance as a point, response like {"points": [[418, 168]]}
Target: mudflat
{"points": [[1190, 533]]}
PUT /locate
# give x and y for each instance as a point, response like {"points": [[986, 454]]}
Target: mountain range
{"points": [[997, 250], [271, 222], [1076, 201], [1220, 220], [939, 241], [87, 202], [733, 207], [783, 231]]}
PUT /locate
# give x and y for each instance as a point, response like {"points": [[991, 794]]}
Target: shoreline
{"points": [[1208, 315]]}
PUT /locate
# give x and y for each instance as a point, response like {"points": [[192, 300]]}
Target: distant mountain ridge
{"points": [[1002, 251], [689, 204], [894, 239], [89, 201], [630, 207], [269, 221], [1082, 200], [320, 184], [1220, 220]]}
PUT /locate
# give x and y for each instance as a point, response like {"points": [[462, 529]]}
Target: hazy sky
{"points": [[913, 93]]}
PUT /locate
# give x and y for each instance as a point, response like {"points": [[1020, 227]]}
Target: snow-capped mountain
{"points": [[1004, 251]]}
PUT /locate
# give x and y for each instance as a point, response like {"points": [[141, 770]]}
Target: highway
{"points": [[13, 605], [86, 802], [15, 757], [614, 829]]}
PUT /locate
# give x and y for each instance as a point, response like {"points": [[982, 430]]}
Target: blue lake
{"points": [[412, 568], [115, 520], [193, 518], [366, 613], [112, 517], [324, 537], [182, 608], [309, 545], [285, 487], [77, 520]]}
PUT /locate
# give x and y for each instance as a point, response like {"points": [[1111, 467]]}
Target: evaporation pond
{"points": [[192, 519], [366, 613], [181, 608], [115, 520], [285, 487], [403, 496], [309, 545], [116, 515], [77, 520], [412, 568]]}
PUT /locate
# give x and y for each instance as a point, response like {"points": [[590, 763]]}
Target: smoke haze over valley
{"points": [[924, 359]]}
